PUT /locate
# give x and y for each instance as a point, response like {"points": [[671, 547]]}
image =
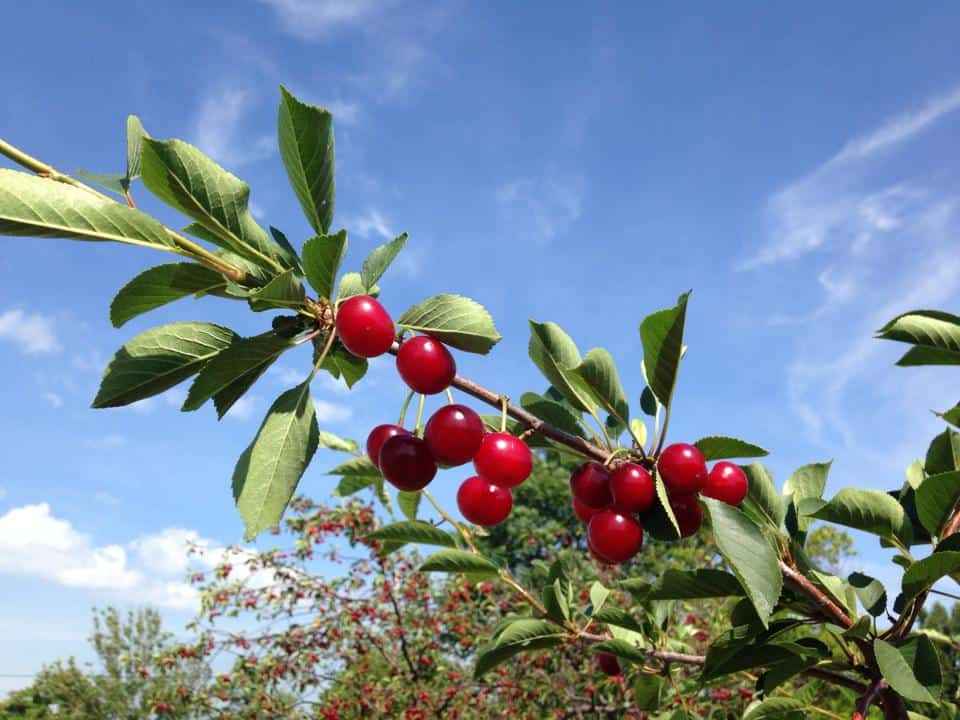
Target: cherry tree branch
{"points": [[829, 608], [868, 698]]}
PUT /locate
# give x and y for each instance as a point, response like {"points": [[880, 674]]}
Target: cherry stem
{"points": [[504, 401], [416, 427], [449, 397], [403, 408]]}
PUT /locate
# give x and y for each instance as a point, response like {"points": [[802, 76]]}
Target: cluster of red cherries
{"points": [[454, 435], [612, 503]]}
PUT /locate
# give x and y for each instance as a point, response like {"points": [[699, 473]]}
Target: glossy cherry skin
{"points": [[378, 436], [608, 664], [584, 512], [728, 483], [614, 536], [503, 459], [483, 503], [426, 365], [590, 484], [453, 434], [364, 327], [687, 511], [632, 488], [406, 462], [683, 469]]}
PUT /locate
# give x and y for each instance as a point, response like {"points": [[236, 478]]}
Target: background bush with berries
{"points": [[790, 620]]}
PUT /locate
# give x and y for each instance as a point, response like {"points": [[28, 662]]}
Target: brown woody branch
{"points": [[826, 606], [868, 698]]}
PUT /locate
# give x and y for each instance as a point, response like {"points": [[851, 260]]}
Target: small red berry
{"points": [[590, 484], [632, 488], [727, 482], [483, 503], [683, 469], [378, 436], [608, 664], [503, 459], [584, 512], [614, 536], [687, 511], [426, 365], [454, 434], [407, 463], [364, 327]]}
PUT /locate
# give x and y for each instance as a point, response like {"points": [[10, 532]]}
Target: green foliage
{"points": [[662, 336], [322, 257], [454, 320], [161, 285]]}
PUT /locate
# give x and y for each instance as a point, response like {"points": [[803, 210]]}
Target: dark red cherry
{"points": [[590, 484], [406, 462], [584, 512], [454, 434], [364, 327], [378, 436], [608, 664], [483, 503], [426, 365], [687, 511], [614, 536], [632, 488], [727, 483], [683, 469], [503, 459]]}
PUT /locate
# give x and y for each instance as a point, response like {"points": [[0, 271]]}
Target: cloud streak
{"points": [[31, 334]]}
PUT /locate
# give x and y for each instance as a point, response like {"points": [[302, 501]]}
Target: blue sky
{"points": [[579, 163]]}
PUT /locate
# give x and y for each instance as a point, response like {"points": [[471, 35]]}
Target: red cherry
{"points": [[683, 469], [608, 664], [407, 463], [584, 512], [614, 536], [503, 459], [364, 327], [687, 511], [590, 484], [426, 365], [483, 503], [378, 436], [632, 488], [727, 482], [454, 434]]}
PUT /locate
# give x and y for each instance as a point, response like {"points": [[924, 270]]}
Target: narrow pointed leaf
{"points": [[660, 521], [379, 260], [936, 499], [334, 442], [114, 182], [135, 135], [555, 354], [927, 328], [922, 574], [459, 561], [342, 364], [871, 593], [454, 320], [409, 503], [598, 371], [160, 285], [283, 291], [695, 584], [245, 355], [322, 257], [717, 447], [872, 511], [662, 336], [920, 355], [557, 414], [763, 500], [490, 656], [414, 531], [943, 455], [911, 668]]}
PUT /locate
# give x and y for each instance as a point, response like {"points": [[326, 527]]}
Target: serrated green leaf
{"points": [[459, 561], [342, 363], [598, 595], [454, 320], [32, 206], [919, 355], [659, 521], [762, 500], [806, 483], [290, 254], [269, 470], [114, 182], [695, 584], [622, 649], [952, 415], [305, 134], [870, 592], [135, 135], [523, 631], [491, 656], [351, 284], [158, 359], [911, 667], [413, 531], [555, 354], [777, 708], [648, 691], [943, 455], [379, 260], [559, 415], [749, 555], [718, 447], [598, 371], [662, 336], [322, 257], [160, 285], [245, 358], [936, 499], [334, 442], [724, 659], [872, 511], [409, 503], [922, 574], [225, 398], [926, 328], [617, 616], [283, 291], [639, 431], [357, 467]]}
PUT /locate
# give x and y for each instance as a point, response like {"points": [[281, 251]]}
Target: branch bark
{"points": [[829, 608]]}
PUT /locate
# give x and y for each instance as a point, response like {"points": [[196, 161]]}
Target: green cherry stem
{"points": [[504, 401], [449, 397], [416, 427], [403, 408]]}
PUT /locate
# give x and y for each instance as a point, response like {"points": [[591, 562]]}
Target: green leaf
{"points": [[777, 708], [135, 135], [617, 616], [342, 363], [114, 182], [39, 207], [648, 691], [718, 447], [952, 415], [333, 442], [927, 328], [290, 254], [598, 595], [557, 414], [622, 649], [872, 511], [322, 257], [695, 584], [746, 550], [648, 403], [639, 430], [307, 148], [409, 503], [919, 355], [922, 574], [762, 499], [413, 531], [490, 656], [160, 285], [379, 260], [459, 561], [871, 593], [662, 336], [943, 455], [555, 354], [283, 291], [807, 482], [936, 499], [598, 371], [158, 359], [523, 631], [269, 470], [187, 180], [724, 659], [911, 667], [454, 320], [225, 398], [660, 521], [351, 284], [245, 356], [357, 467]]}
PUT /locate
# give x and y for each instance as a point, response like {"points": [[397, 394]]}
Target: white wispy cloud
{"points": [[110, 440], [31, 333], [542, 206], [105, 498], [370, 223], [55, 400], [221, 128], [312, 20], [332, 412], [244, 408]]}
